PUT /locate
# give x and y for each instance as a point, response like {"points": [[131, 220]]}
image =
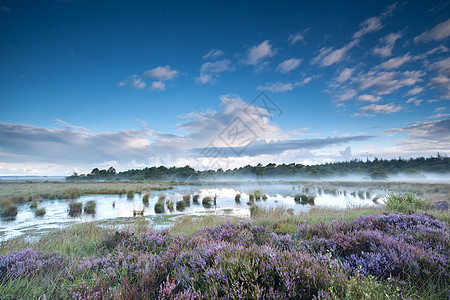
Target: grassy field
{"points": [[359, 253], [23, 192]]}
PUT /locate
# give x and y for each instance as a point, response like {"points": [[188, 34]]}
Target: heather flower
{"points": [[28, 262]]}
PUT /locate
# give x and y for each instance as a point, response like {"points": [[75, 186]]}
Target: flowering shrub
{"points": [[385, 245]]}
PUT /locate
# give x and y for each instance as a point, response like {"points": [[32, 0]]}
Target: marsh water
{"points": [[113, 207]]}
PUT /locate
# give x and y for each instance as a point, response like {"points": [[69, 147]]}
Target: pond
{"points": [[112, 207]]}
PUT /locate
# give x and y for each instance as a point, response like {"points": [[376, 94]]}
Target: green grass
{"points": [[407, 203]]}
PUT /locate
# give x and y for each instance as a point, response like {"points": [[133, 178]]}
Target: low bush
{"points": [[407, 203]]}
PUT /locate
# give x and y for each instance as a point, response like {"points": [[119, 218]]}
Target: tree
{"points": [[378, 173], [260, 170]]}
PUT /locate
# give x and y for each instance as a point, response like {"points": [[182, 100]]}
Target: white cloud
{"points": [[132, 81], [158, 85], [439, 109], [280, 87], [437, 33], [204, 78], [369, 25], [210, 71], [289, 65], [277, 87], [327, 56], [415, 91], [213, 54], [216, 67], [387, 44], [295, 38], [260, 52], [387, 82], [427, 137], [414, 100], [162, 73], [346, 95], [345, 75], [442, 80], [378, 109], [396, 62], [369, 98]]}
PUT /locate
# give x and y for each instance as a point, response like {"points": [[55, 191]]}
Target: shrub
{"points": [[407, 203], [89, 207], [257, 195], [39, 212], [170, 206], [130, 194], [251, 197], [75, 208], [264, 197]]}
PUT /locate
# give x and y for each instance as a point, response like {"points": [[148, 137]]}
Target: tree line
{"points": [[375, 169]]}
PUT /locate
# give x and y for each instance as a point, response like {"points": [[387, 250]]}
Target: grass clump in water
{"points": [[195, 199], [130, 194], [145, 199], [180, 205], [206, 201], [34, 204], [237, 198], [187, 200], [39, 212], [89, 207], [8, 209], [75, 208], [159, 206]]}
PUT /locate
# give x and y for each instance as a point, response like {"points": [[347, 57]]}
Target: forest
{"points": [[376, 169]]}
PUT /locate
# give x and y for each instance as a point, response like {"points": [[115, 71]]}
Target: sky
{"points": [[220, 84]]}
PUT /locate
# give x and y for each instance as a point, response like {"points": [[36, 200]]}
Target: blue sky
{"points": [[212, 84]]}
